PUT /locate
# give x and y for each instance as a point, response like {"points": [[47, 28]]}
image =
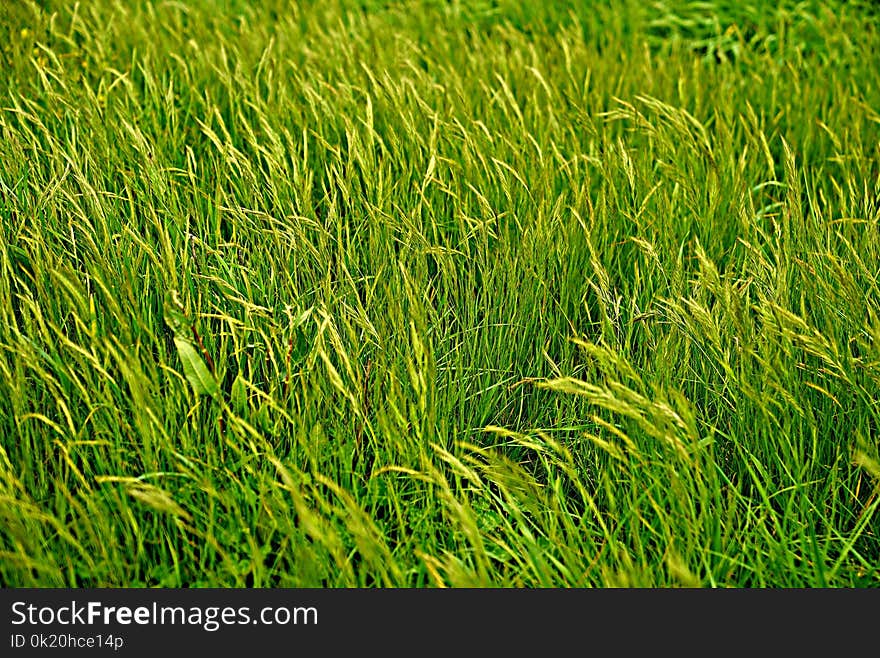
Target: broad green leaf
{"points": [[194, 368], [239, 394], [300, 346]]}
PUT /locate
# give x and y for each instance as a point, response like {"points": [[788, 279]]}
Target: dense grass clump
{"points": [[439, 294]]}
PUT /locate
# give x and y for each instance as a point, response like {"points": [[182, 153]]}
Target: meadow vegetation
{"points": [[425, 294]]}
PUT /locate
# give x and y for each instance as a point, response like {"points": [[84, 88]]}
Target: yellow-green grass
{"points": [[439, 294]]}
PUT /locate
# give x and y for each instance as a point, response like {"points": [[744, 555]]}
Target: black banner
{"points": [[125, 622]]}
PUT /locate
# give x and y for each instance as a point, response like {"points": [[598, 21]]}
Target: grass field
{"points": [[424, 294]]}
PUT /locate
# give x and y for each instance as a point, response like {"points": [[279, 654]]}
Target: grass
{"points": [[435, 294]]}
